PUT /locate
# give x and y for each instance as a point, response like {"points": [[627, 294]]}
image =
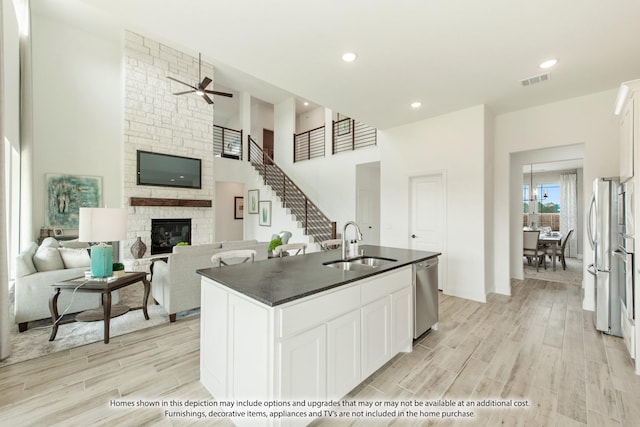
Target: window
{"points": [[551, 203]]}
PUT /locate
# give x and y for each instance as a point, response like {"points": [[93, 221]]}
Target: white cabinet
{"points": [[303, 365], [626, 139], [343, 354], [401, 320], [319, 347], [376, 331]]}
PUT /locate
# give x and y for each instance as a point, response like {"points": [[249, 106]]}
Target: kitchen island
{"points": [[294, 328]]}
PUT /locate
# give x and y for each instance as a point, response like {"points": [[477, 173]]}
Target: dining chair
{"points": [[327, 245], [532, 250], [284, 249], [237, 256], [559, 250]]}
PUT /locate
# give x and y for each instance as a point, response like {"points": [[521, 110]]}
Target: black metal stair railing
{"points": [[315, 223]]}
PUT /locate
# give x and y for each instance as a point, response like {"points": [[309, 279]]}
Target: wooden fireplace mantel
{"points": [[189, 203]]}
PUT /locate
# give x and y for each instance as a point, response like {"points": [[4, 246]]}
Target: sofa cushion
{"points": [[74, 258], [47, 259], [74, 244], [238, 244], [24, 261], [196, 248]]}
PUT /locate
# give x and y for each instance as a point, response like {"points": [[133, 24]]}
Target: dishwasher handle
{"points": [[426, 263]]}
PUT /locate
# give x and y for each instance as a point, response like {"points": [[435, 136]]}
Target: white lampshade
{"points": [[102, 224]]}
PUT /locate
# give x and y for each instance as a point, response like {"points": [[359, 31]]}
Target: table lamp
{"points": [[101, 225]]}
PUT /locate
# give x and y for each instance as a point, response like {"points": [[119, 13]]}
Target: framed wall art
{"points": [[254, 197], [265, 213], [66, 194], [238, 207]]}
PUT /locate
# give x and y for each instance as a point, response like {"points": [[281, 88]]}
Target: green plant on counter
{"points": [[274, 243], [118, 266], [182, 244]]}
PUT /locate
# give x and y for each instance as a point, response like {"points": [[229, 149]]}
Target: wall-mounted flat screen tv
{"points": [[168, 171]]}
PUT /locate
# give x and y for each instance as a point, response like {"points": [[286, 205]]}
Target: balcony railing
{"points": [[349, 135], [227, 142], [546, 220], [309, 144]]}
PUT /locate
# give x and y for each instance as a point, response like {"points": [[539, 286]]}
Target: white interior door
{"points": [[368, 216], [368, 202], [427, 223]]}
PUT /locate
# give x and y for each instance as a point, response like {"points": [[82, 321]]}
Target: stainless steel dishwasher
{"points": [[425, 296]]}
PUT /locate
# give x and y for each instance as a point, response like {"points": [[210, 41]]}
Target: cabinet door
{"points": [[303, 365], [401, 321], [213, 350], [376, 340], [626, 141], [343, 354]]}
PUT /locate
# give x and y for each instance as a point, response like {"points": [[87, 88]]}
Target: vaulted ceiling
{"points": [[447, 54]]}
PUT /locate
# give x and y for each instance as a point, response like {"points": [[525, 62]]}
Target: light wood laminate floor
{"points": [[537, 345]]}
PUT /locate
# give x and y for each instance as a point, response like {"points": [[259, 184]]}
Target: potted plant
{"points": [[274, 243], [182, 244], [118, 269]]}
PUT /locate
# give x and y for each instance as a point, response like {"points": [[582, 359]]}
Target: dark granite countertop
{"points": [[279, 280]]}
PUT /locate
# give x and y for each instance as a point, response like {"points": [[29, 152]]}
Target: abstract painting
{"points": [[66, 194]]}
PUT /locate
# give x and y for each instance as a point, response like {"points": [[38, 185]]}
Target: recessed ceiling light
{"points": [[306, 103], [349, 57], [549, 63], [416, 104]]}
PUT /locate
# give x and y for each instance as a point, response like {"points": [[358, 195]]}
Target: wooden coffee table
{"points": [[104, 287]]}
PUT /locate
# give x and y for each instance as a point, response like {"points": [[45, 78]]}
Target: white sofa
{"points": [[38, 267], [175, 284]]}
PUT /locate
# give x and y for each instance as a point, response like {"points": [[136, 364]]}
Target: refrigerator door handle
{"points": [[590, 219]]}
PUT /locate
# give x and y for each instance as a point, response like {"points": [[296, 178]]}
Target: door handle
{"points": [[370, 227], [413, 236]]}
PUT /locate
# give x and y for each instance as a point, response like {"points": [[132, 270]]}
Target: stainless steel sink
{"points": [[362, 263]]}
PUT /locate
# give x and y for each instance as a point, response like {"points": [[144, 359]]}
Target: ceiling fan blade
{"points": [[205, 83], [206, 98], [214, 92], [186, 84], [185, 92]]}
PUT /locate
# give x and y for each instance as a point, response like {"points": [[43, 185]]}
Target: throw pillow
{"points": [[24, 262], [74, 258], [47, 259], [49, 242]]}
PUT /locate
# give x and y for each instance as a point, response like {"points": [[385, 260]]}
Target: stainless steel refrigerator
{"points": [[602, 227]]}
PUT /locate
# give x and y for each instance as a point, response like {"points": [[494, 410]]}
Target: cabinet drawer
{"points": [[313, 311], [385, 284]]}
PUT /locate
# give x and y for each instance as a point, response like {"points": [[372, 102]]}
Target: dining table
{"points": [[551, 239]]}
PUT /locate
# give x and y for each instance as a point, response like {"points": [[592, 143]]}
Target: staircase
{"points": [[314, 222]]}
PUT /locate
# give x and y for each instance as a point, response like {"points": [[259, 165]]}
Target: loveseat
{"points": [[175, 284], [38, 267]]}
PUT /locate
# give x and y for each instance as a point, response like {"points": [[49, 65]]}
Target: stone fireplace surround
{"points": [[158, 121]]}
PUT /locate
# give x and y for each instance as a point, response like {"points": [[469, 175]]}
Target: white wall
{"points": [[310, 119], [227, 227], [452, 144], [262, 117], [77, 109], [586, 120]]}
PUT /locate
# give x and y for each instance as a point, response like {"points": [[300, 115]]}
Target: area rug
{"points": [[34, 342], [572, 275]]}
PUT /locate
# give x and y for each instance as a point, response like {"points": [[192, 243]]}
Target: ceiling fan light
{"points": [[200, 92]]}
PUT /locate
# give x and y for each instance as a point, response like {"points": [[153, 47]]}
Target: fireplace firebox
{"points": [[166, 233]]}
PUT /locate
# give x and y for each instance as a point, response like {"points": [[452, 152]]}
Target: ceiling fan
{"points": [[201, 87]]}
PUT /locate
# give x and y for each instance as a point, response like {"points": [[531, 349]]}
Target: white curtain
{"points": [[5, 342], [569, 210]]}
